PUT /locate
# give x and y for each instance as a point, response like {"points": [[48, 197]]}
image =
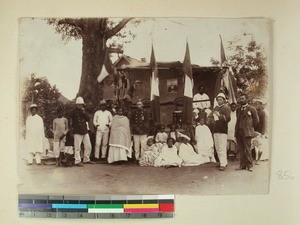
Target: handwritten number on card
{"points": [[285, 175]]}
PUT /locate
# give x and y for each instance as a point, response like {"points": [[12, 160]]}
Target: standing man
{"points": [[79, 124], [102, 122], [35, 135], [247, 119], [201, 100], [139, 121], [221, 117]]}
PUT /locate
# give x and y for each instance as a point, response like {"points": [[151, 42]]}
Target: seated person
{"points": [[168, 156], [188, 155], [175, 135], [150, 153], [201, 100], [161, 136]]}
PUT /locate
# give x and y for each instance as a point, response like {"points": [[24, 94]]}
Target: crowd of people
{"points": [[225, 131]]}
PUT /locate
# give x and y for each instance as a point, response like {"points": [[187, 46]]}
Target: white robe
{"points": [[35, 135], [189, 157], [205, 143], [168, 157]]}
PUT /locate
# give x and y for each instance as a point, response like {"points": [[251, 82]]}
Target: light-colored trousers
{"points": [[138, 141], [37, 156], [221, 147], [58, 147], [101, 137], [78, 139]]}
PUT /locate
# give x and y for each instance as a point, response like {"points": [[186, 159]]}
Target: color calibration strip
{"points": [[96, 207]]}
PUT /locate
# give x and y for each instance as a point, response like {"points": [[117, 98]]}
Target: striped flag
{"points": [[188, 87], [223, 57], [154, 94], [106, 68]]}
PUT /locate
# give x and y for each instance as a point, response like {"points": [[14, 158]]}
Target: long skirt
{"points": [[116, 154]]}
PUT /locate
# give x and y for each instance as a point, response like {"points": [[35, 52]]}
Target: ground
{"points": [[130, 178]]}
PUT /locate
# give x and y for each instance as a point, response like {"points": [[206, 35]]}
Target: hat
{"points": [[196, 111], [262, 101], [185, 136], [79, 101], [221, 95], [207, 111], [33, 106], [102, 102], [150, 137]]}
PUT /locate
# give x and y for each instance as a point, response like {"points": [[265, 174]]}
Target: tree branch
{"points": [[72, 22], [117, 28]]}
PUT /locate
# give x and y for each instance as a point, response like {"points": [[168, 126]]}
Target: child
{"points": [[205, 143], [168, 156], [68, 156], [175, 135], [150, 153], [60, 128], [161, 136]]}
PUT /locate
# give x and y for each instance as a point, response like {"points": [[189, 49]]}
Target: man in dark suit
{"points": [[247, 119]]}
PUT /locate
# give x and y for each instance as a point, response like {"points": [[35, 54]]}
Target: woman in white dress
{"points": [[168, 156], [188, 155], [120, 138]]}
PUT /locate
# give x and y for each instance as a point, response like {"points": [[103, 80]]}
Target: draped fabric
{"points": [[120, 133], [168, 157], [205, 143], [189, 157], [35, 135], [150, 154]]}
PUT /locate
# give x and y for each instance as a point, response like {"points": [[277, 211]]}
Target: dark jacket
{"points": [[261, 126], [247, 119], [78, 121], [139, 121], [221, 125]]}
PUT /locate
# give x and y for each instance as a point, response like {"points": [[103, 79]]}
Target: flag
{"points": [[223, 57], [225, 82], [106, 68], [188, 87], [154, 93]]}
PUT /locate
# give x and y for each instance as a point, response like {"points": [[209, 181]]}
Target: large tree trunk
{"points": [[93, 54]]}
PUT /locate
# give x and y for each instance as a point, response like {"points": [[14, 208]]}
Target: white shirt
{"points": [[101, 119], [202, 104]]}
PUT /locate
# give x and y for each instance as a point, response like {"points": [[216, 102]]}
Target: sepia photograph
{"points": [[144, 106]]}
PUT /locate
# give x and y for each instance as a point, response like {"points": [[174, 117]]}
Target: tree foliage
{"points": [[248, 62], [39, 91]]}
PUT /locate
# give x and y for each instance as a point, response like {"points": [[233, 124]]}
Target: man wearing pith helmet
{"points": [[35, 136], [79, 119], [221, 117]]}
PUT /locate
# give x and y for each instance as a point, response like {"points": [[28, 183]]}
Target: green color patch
{"points": [[105, 206]]}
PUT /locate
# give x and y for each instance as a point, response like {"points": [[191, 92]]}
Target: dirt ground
{"points": [[130, 178]]}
